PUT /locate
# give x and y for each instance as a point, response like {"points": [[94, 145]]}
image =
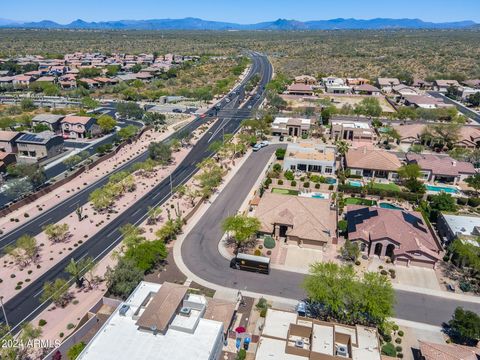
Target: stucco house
{"points": [[401, 235], [367, 89], [296, 220], [8, 141], [289, 126], [74, 126], [443, 85], [50, 120], [387, 84], [310, 157], [441, 168], [300, 89], [372, 163], [351, 130], [36, 147]]}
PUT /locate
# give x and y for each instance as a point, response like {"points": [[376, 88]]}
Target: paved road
{"points": [[462, 108], [200, 254], [26, 304]]}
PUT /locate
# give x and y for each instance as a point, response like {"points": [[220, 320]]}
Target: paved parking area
{"points": [[301, 258]]}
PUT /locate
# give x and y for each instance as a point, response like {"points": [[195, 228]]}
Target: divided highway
{"points": [[26, 304]]}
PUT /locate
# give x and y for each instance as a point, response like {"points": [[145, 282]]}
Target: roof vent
{"points": [[342, 351], [185, 311], [123, 309], [299, 343]]}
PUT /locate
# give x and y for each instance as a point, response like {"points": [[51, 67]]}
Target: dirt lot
{"points": [[341, 100]]}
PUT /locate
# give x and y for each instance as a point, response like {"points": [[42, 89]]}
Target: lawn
{"points": [[359, 201], [284, 191], [387, 187]]}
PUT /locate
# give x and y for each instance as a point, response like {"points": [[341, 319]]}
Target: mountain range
{"points": [[280, 24]]}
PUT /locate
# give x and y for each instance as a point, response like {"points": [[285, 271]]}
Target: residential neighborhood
{"points": [[196, 189]]}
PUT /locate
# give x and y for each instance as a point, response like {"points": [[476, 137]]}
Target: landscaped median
{"points": [[27, 260]]}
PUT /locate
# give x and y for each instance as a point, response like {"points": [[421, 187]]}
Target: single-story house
{"points": [[300, 89], [310, 157], [473, 83], [453, 226], [6, 81], [372, 163], [424, 101], [464, 92], [441, 168], [356, 81], [433, 351], [5, 160], [387, 84], [47, 79], [305, 79], [367, 89], [352, 130], [296, 220], [332, 80], [50, 120], [22, 81], [8, 141], [36, 147], [422, 84], [74, 126], [290, 126], [469, 136], [401, 235], [338, 89], [443, 85], [403, 90]]}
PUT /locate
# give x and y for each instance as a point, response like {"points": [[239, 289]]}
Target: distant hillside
{"points": [[280, 24]]}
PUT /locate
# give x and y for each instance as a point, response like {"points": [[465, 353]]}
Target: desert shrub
{"points": [[389, 349], [293, 183], [398, 340], [317, 186], [474, 202], [462, 201], [401, 333], [306, 184], [269, 242], [257, 252], [42, 322], [280, 182]]}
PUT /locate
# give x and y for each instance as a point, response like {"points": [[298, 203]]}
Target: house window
{"points": [[293, 167], [328, 170]]}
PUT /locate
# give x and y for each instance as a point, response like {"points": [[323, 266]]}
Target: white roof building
{"points": [[287, 336], [158, 322]]}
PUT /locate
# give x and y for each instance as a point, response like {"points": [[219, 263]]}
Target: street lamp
{"points": [[4, 313]]}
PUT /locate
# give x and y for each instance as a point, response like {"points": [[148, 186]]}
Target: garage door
{"points": [[424, 264]]}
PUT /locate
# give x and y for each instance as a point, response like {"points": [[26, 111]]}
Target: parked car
{"points": [[257, 147], [450, 287], [177, 110], [264, 143]]}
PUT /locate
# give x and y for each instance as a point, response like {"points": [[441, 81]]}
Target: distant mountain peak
{"points": [[192, 23]]}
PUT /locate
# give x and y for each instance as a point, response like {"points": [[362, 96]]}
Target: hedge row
{"points": [[379, 192]]}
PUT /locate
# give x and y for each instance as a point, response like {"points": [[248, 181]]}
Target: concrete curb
{"points": [[438, 293]]}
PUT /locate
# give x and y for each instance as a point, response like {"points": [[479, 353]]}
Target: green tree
{"points": [[243, 229], [369, 107], [127, 132], [443, 202], [27, 105], [106, 123], [160, 152], [34, 173], [77, 269], [56, 232], [474, 99], [24, 251], [464, 327], [350, 251], [474, 182], [410, 173], [130, 110], [147, 255], [342, 147], [56, 291], [390, 134], [150, 118], [405, 112], [75, 350], [89, 103], [18, 187], [124, 278], [136, 68], [113, 70], [101, 199]]}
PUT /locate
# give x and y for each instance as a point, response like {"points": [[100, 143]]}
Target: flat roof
{"points": [[460, 224], [278, 322], [322, 339], [274, 349], [121, 339]]}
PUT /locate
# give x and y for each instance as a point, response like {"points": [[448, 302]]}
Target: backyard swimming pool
{"points": [[446, 189], [315, 195], [356, 183], [384, 205]]}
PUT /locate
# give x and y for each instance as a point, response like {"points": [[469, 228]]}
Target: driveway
{"points": [[417, 276]]}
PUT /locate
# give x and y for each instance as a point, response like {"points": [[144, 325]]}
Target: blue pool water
{"points": [[355, 183], [319, 196], [331, 180], [389, 206], [441, 188]]}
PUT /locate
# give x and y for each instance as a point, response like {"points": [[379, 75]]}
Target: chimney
{"points": [[454, 163]]}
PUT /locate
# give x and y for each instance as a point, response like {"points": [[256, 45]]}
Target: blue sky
{"points": [[240, 11]]}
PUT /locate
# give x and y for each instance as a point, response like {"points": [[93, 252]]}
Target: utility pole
{"points": [[4, 313]]}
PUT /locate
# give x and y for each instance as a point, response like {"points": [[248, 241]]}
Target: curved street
{"points": [[200, 254]]}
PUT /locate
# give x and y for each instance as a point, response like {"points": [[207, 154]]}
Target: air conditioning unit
{"points": [[299, 343], [342, 351], [185, 311], [123, 309]]}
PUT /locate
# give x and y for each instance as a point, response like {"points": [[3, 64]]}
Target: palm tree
{"points": [[342, 149]]}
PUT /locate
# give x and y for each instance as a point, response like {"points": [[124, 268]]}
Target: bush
{"points": [[263, 312], [400, 355], [330, 187], [293, 183], [280, 182], [289, 175], [342, 225], [401, 333], [269, 242], [317, 186], [257, 252], [280, 153], [61, 335], [277, 167], [306, 184], [398, 340], [42, 322], [70, 326], [462, 201], [473, 202], [398, 348], [241, 355], [357, 262], [387, 338], [389, 349], [384, 272]]}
